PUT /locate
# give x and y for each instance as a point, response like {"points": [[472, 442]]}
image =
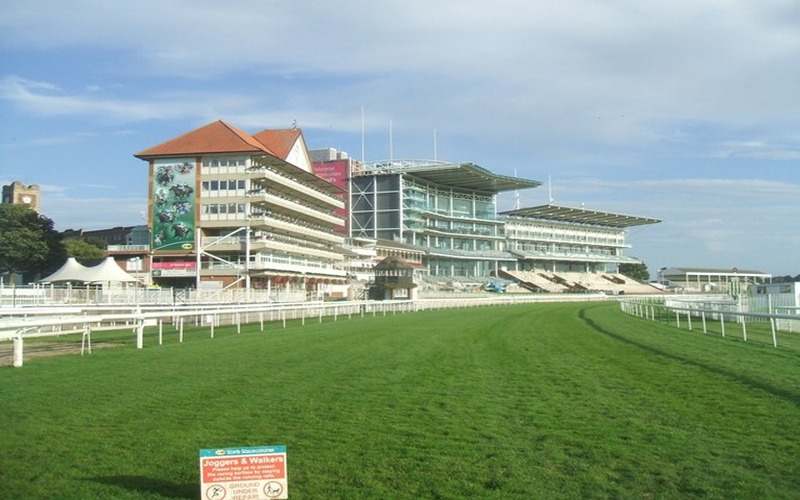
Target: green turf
{"points": [[529, 401]]}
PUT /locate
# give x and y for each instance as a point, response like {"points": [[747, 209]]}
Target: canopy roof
{"points": [[72, 270], [467, 176], [579, 216], [105, 272]]}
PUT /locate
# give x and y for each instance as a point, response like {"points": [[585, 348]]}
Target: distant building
{"points": [[20, 194], [693, 279]]}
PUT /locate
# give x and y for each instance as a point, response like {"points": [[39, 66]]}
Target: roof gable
{"points": [[216, 137], [287, 144]]}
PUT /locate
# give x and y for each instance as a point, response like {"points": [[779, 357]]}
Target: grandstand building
{"points": [[231, 209], [560, 248], [447, 209]]}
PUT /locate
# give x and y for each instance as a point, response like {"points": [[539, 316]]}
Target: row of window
{"points": [[224, 185], [224, 162], [222, 208]]}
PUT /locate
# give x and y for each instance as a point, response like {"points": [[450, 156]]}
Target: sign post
{"points": [[254, 473]]}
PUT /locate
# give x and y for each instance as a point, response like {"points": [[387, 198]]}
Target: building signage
{"points": [[174, 200], [337, 173], [254, 473], [174, 268]]}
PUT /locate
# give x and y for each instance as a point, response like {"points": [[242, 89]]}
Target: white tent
{"points": [[72, 270], [106, 272]]}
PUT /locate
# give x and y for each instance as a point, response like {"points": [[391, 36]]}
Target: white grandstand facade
{"points": [[234, 210], [449, 211]]}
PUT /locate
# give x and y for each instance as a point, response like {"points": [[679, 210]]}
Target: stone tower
{"points": [[20, 194]]}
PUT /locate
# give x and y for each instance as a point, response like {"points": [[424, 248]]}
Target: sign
{"points": [[254, 473], [174, 199], [336, 172], [174, 268]]}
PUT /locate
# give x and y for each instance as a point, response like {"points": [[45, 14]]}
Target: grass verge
{"points": [[529, 401]]}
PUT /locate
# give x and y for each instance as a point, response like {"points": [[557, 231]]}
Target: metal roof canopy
{"points": [[467, 176], [579, 216]]}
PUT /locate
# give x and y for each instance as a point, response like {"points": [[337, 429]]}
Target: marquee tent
{"points": [[72, 270], [106, 272]]}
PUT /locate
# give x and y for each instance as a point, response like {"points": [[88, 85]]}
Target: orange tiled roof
{"points": [[279, 141], [216, 137]]}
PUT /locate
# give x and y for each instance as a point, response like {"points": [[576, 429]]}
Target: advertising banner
{"points": [[337, 173], [174, 269], [174, 201]]}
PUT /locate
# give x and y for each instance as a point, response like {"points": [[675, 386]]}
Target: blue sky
{"points": [[686, 111]]}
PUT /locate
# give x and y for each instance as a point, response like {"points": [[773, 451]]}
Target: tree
{"points": [[83, 249], [28, 242], [636, 271]]}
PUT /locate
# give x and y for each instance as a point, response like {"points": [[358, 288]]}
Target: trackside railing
{"points": [[21, 324], [704, 312]]}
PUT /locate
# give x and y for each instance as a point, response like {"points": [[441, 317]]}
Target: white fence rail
{"points": [[22, 323], [704, 311]]}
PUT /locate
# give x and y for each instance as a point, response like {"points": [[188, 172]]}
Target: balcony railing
{"points": [[298, 209], [298, 187], [278, 225]]}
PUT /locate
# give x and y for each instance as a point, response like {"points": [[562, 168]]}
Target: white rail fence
{"points": [[19, 324], [705, 311]]}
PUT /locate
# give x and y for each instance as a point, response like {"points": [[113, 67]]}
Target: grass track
{"points": [[530, 401]]}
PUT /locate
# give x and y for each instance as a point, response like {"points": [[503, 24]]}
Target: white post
{"points": [[160, 332], [140, 334], [774, 333], [18, 342], [86, 340], [180, 329]]}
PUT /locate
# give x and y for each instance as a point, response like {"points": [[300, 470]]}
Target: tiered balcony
{"points": [[297, 209], [260, 175], [237, 243], [281, 226]]}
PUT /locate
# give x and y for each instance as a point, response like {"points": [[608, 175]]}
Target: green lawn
{"points": [[529, 401]]}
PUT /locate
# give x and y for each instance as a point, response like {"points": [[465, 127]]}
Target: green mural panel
{"points": [[174, 202]]}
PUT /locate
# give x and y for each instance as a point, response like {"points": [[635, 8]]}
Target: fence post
{"points": [[86, 339], [140, 334], [18, 343], [774, 333]]}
